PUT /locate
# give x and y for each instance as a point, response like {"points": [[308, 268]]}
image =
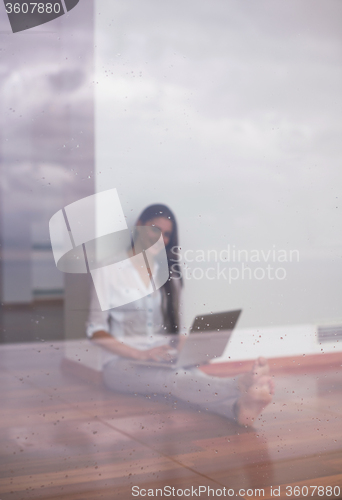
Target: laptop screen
{"points": [[215, 322]]}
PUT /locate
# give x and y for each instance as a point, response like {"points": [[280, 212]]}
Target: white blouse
{"points": [[138, 324]]}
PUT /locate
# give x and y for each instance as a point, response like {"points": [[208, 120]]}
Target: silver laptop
{"points": [[209, 335]]}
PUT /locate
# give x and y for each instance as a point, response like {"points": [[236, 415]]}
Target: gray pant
{"points": [[218, 395]]}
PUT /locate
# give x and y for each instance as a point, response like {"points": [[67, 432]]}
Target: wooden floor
{"points": [[64, 438]]}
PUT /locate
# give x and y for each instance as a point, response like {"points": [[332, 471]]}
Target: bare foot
{"points": [[257, 389], [260, 368]]}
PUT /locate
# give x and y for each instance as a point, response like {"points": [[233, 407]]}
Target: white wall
{"points": [[230, 113]]}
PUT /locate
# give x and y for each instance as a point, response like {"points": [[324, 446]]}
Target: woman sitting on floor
{"points": [[136, 332]]}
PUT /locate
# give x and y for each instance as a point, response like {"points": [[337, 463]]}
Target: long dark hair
{"points": [[170, 290]]}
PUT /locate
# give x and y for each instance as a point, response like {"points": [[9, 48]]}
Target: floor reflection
{"points": [[63, 436]]}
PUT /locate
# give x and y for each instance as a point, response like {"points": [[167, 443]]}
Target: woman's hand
{"points": [[107, 341], [110, 343], [161, 353]]}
